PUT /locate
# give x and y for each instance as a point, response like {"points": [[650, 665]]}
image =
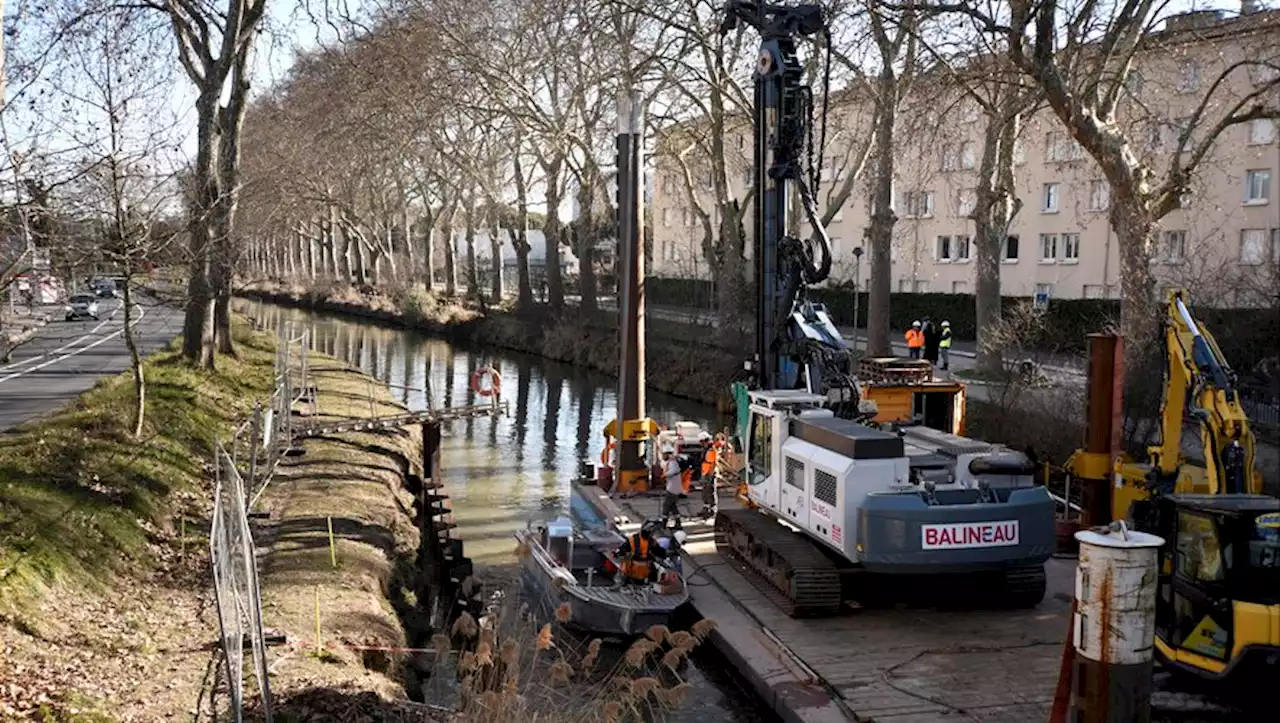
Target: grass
{"points": [[82, 500]]}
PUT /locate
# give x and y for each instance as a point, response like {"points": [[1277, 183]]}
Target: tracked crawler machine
{"points": [[852, 498]]}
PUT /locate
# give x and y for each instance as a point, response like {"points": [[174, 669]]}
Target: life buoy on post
{"points": [[495, 382]]}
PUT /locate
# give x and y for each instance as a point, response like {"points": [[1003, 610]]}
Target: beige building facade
{"points": [[1224, 242]]}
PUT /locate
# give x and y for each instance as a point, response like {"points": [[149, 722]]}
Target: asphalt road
{"points": [[66, 358]]}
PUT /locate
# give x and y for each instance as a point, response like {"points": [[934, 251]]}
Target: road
{"points": [[66, 358]]}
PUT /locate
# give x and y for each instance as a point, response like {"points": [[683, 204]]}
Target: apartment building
{"points": [[1224, 240]]}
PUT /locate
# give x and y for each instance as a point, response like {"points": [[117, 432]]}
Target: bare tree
{"points": [[1082, 56], [215, 44]]}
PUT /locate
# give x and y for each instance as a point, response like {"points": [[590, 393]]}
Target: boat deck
{"points": [[891, 666]]}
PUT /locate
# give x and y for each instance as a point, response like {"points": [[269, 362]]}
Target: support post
{"points": [[1114, 633], [632, 472]]}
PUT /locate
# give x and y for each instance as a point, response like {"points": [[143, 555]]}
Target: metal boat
{"points": [[563, 564]]}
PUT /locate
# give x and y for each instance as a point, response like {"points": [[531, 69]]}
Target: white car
{"points": [[82, 306]]}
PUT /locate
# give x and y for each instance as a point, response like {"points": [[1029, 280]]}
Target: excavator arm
{"points": [[1200, 384]]}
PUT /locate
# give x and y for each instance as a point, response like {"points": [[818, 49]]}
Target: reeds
{"points": [[514, 668]]}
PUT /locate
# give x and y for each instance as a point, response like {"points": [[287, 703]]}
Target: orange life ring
{"points": [[495, 382]]}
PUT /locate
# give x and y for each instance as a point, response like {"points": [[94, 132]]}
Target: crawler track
{"points": [[786, 567]]}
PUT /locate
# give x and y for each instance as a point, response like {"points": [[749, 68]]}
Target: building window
{"points": [[919, 204], [1188, 77], [950, 157], [742, 142], [1262, 131], [1275, 245], [1182, 135], [669, 182], [835, 169], [966, 202], [1095, 291], [1070, 247], [959, 287], [1048, 248], [1009, 251], [690, 218], [666, 216], [1099, 195], [1133, 84], [749, 177], [1253, 246], [1061, 147], [968, 158], [942, 250], [668, 251], [1173, 248], [1045, 290], [904, 286], [921, 286], [962, 248], [1257, 187], [1049, 200]]}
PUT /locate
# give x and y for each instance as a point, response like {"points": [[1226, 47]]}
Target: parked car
{"points": [[82, 306]]}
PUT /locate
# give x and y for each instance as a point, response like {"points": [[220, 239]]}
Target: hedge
{"points": [[1246, 336]]}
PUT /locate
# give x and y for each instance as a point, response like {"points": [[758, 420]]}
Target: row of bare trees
{"points": [[428, 124]]}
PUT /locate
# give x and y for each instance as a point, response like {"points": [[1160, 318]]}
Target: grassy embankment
{"points": [[680, 358], [106, 610]]}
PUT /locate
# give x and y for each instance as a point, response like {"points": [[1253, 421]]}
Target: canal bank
{"points": [[501, 473], [680, 359]]}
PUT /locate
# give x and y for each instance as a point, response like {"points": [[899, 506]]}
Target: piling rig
{"points": [[852, 498]]}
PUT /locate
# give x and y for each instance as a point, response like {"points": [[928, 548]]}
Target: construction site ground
{"points": [[888, 665]]}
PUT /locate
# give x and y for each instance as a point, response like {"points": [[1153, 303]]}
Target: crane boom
{"points": [[797, 345]]}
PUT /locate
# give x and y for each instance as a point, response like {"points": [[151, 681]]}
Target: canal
{"points": [[501, 473]]}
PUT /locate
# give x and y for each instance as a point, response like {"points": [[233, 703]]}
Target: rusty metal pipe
{"points": [[1097, 431]]}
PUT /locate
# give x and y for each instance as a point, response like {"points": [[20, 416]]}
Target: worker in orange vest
{"points": [[915, 340], [638, 553]]}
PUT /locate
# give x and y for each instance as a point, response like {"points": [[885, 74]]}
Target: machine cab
{"points": [[1219, 583], [767, 429]]}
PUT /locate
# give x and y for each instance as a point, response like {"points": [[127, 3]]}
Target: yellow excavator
{"points": [[1218, 595]]}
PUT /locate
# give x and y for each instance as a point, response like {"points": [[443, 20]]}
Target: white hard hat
{"points": [[681, 536], [946, 323], [915, 323]]}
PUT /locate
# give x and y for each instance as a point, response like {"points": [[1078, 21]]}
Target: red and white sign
{"points": [[969, 534]]}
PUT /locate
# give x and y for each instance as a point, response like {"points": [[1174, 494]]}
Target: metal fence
{"points": [[235, 581], [244, 467]]}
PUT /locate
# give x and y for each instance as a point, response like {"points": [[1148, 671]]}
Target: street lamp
{"points": [[857, 266]]}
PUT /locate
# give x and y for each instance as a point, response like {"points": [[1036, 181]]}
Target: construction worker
{"points": [[712, 462], [944, 345], [915, 340], [638, 553], [673, 487], [931, 336]]}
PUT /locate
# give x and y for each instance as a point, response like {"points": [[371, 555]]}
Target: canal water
{"points": [[501, 473]]}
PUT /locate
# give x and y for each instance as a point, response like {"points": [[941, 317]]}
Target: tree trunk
{"points": [[410, 251], [520, 235], [495, 261], [473, 272], [584, 245], [882, 220], [995, 207], [450, 264], [1135, 231], [135, 359], [429, 250], [197, 322], [552, 232]]}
